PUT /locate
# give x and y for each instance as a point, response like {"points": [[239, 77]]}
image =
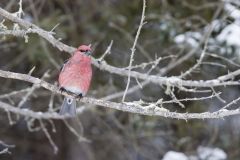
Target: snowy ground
{"points": [[203, 153]]}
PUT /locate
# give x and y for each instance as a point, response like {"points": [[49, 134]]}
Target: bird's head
{"points": [[85, 49]]}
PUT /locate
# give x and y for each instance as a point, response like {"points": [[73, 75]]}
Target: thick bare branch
{"points": [[151, 110], [29, 113], [44, 34]]}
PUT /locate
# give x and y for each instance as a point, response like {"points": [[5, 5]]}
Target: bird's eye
{"points": [[82, 50]]}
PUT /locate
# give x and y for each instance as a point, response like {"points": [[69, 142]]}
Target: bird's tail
{"points": [[68, 107]]}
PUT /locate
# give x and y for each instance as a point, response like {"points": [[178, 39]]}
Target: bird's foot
{"points": [[99, 61], [79, 96], [62, 89]]}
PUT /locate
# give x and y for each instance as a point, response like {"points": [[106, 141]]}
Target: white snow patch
{"points": [[192, 38], [172, 155], [230, 35], [180, 38], [216, 25], [208, 153], [234, 12], [193, 158]]}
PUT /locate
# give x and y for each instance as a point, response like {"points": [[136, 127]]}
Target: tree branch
{"points": [[132, 107], [133, 49], [174, 81]]}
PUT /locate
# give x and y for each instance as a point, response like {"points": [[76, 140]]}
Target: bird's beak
{"points": [[88, 53]]}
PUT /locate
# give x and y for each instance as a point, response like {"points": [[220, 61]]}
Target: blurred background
{"points": [[173, 29]]}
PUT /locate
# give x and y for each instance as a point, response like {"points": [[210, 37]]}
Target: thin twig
{"points": [[55, 148], [71, 129], [108, 51], [133, 49]]}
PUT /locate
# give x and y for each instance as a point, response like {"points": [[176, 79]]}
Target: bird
{"points": [[75, 77]]}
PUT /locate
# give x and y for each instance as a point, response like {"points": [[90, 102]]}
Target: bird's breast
{"points": [[76, 74]]}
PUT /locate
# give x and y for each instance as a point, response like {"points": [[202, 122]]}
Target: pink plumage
{"points": [[75, 77]]}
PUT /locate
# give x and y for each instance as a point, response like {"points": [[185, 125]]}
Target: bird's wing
{"points": [[64, 63]]}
